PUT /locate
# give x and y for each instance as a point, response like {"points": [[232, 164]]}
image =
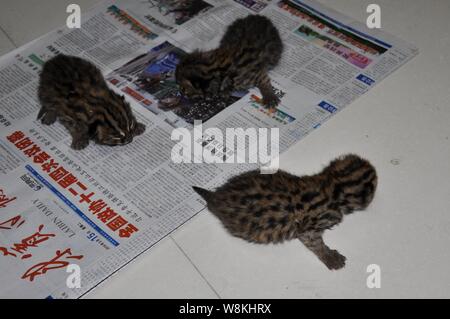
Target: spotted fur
{"points": [[250, 47], [272, 208], [73, 91]]}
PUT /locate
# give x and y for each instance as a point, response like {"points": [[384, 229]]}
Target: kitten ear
{"points": [[99, 133], [187, 85]]}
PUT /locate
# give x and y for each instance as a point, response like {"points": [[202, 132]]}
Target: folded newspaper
{"points": [[101, 207]]}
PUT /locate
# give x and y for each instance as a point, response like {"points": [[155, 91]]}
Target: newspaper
{"points": [[101, 207]]}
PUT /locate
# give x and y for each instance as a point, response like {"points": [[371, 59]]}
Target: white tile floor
{"points": [[402, 126], [6, 44]]}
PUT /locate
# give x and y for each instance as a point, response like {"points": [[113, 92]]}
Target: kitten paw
{"points": [[48, 118], [79, 144], [271, 101], [334, 260], [140, 129]]}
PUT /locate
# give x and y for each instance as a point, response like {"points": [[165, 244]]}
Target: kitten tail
{"points": [[206, 194]]}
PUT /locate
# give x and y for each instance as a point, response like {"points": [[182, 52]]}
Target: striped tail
{"points": [[204, 193]]}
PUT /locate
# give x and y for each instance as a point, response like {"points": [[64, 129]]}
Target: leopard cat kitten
{"points": [[263, 208], [250, 47], [73, 91]]}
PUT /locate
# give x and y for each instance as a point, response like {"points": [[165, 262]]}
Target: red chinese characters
{"points": [[55, 263], [26, 243], [22, 248], [4, 199], [14, 222], [68, 181]]}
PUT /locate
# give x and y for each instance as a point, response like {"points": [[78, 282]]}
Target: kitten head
{"points": [[118, 125], [191, 78], [354, 180]]}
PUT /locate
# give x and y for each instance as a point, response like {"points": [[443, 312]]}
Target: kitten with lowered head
{"points": [[73, 91], [264, 208], [250, 47]]}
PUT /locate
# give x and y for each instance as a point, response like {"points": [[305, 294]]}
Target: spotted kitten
{"points": [[263, 208], [73, 91], [250, 47]]}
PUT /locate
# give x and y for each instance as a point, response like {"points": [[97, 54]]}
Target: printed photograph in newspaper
{"points": [[150, 80]]}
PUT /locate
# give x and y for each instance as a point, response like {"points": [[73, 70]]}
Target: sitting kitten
{"points": [[73, 91], [249, 49], [264, 208]]}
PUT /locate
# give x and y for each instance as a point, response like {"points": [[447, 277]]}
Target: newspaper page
{"points": [[99, 208]]}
